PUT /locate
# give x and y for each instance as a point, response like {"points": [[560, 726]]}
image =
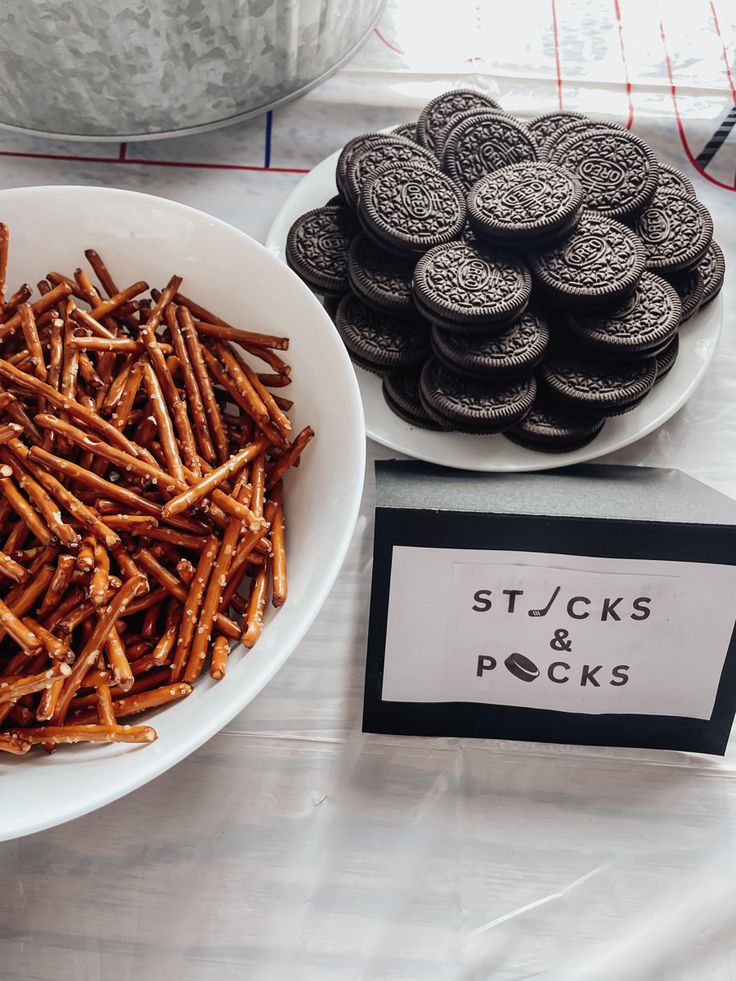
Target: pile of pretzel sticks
{"points": [[143, 444]]}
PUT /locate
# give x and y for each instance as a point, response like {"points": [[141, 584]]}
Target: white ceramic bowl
{"points": [[144, 237]]}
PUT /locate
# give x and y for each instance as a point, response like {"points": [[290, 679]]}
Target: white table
{"points": [[294, 848]]}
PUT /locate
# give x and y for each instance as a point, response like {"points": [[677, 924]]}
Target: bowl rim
{"points": [[159, 759]]}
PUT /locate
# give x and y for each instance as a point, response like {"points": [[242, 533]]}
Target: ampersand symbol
{"points": [[560, 641]]}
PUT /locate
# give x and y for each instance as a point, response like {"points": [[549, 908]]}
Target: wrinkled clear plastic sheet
{"points": [[292, 846]]}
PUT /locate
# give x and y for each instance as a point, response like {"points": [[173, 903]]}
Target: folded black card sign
{"points": [[591, 605]]}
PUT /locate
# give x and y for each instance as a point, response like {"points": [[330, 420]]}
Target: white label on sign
{"points": [[563, 632]]}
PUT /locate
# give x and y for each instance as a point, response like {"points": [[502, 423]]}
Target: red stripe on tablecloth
{"points": [[152, 163], [680, 128], [556, 41], [389, 45], [617, 9], [729, 76]]}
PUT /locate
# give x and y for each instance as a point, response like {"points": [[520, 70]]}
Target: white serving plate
{"points": [[698, 341], [145, 237]]}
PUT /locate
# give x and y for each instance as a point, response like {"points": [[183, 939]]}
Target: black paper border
{"points": [[609, 538]]}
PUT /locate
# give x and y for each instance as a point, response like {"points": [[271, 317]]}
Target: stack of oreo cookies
{"points": [[528, 278]]}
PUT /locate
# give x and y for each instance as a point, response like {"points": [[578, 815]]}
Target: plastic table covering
{"points": [[292, 846]]}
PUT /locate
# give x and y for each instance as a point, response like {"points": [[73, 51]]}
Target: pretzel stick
{"points": [[58, 279], [218, 581], [100, 575], [59, 584], [99, 485], [131, 522], [208, 483], [89, 375], [141, 468], [163, 423], [173, 586], [191, 608], [86, 516], [38, 307], [256, 607], [220, 651], [127, 592], [45, 504], [212, 325], [274, 380], [118, 660], [30, 335], [12, 742], [236, 393], [77, 411], [21, 634], [18, 414], [24, 510], [56, 648], [204, 383], [21, 295], [118, 383], [201, 429], [278, 568], [105, 710], [290, 457], [86, 555], [101, 271], [173, 536], [143, 702], [4, 249], [118, 300], [124, 404], [16, 537], [12, 569], [165, 645], [280, 420], [101, 333], [55, 735], [9, 431]]}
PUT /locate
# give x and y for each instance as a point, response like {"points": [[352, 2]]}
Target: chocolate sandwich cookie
{"points": [[618, 172], [551, 427], [515, 350], [472, 287], [598, 387], [437, 114], [675, 231], [442, 136], [317, 248], [484, 143], [690, 287], [600, 263], [410, 209], [401, 392], [407, 130], [378, 342], [331, 303], [713, 270], [356, 145], [474, 406], [381, 280], [524, 203], [666, 358], [542, 127], [563, 134], [336, 201], [389, 151], [671, 179], [646, 320]]}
